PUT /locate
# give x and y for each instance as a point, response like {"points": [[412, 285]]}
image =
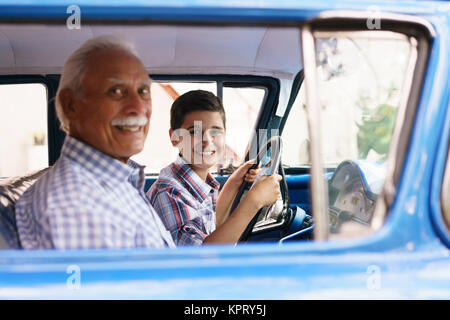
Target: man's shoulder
{"points": [[63, 174], [66, 180]]}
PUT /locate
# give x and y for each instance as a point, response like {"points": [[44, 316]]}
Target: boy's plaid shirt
{"points": [[185, 203]]}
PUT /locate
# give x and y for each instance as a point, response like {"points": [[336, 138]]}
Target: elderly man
{"points": [[93, 196]]}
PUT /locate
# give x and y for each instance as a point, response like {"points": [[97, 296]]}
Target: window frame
{"points": [[440, 202], [421, 33]]}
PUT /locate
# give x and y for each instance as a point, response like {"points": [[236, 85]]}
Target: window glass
{"points": [[23, 128], [241, 107], [295, 134], [360, 86], [360, 95], [360, 81]]}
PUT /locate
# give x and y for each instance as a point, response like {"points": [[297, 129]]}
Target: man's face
{"points": [[112, 112]]}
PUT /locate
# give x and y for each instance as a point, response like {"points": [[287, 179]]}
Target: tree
{"points": [[375, 131]]}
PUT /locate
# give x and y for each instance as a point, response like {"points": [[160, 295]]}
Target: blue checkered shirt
{"points": [[185, 203], [89, 200]]}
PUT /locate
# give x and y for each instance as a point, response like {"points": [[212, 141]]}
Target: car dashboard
{"points": [[353, 190]]}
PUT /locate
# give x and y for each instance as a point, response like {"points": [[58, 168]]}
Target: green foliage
{"points": [[375, 131], [39, 138]]}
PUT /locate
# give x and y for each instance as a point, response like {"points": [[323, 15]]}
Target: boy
{"points": [[186, 196]]}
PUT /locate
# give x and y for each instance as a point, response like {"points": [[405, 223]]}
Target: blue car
{"points": [[348, 101]]}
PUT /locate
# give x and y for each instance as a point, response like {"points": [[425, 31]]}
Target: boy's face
{"points": [[201, 139]]}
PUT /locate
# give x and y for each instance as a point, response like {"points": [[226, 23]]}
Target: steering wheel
{"points": [[269, 160]]}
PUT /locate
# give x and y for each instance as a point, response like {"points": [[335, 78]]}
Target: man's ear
{"points": [[67, 100]]}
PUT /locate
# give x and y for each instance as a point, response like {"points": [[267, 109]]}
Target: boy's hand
{"points": [[241, 174], [265, 191], [231, 187], [251, 175]]}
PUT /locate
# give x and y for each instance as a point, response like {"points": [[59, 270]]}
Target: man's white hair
{"points": [[75, 67]]}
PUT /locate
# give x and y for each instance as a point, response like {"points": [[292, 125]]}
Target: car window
{"points": [[23, 128], [361, 81], [241, 106], [360, 96], [295, 134]]}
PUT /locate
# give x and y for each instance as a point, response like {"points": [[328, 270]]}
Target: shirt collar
{"points": [[187, 173], [102, 165]]}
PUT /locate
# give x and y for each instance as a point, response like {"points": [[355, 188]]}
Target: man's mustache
{"points": [[130, 121]]}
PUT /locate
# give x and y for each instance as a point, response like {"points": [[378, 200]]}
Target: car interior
{"points": [[230, 56], [37, 53]]}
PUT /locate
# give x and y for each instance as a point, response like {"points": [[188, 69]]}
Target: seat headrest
{"points": [[10, 190]]}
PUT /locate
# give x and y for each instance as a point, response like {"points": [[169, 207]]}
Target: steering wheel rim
{"points": [[274, 145]]}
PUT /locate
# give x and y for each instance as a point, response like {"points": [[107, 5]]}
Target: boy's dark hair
{"points": [[195, 100]]}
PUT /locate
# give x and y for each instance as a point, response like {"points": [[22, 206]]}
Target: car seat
{"points": [[10, 190]]}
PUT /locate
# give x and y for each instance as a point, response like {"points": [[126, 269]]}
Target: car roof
{"points": [[34, 37], [43, 49]]}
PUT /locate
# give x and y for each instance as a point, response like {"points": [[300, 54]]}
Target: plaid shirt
{"points": [[89, 200], [185, 203]]}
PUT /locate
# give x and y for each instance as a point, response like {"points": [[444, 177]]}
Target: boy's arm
{"points": [[180, 217], [230, 189], [230, 230], [224, 202], [264, 192]]}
